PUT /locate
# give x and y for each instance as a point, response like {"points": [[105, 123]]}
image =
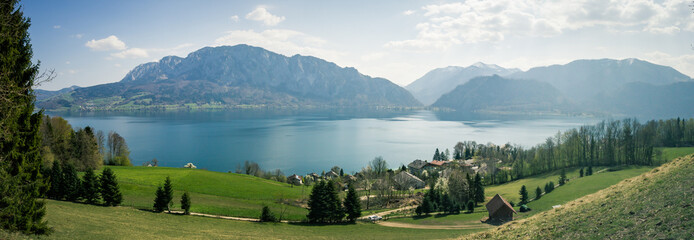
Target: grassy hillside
{"points": [[81, 221], [655, 205], [211, 192], [509, 191]]}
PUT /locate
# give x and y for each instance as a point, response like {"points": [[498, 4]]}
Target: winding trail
{"points": [[420, 226]]}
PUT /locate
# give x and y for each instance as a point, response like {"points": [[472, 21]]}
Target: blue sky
{"points": [[96, 42]]}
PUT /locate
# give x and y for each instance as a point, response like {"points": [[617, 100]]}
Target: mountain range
{"points": [[236, 76], [628, 87]]}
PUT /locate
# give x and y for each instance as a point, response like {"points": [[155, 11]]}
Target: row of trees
{"points": [[82, 148], [324, 205], [608, 143], [163, 199], [65, 184], [458, 192]]}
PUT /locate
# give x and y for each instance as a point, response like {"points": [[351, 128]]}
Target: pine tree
{"points": [[317, 203], [352, 204], [267, 216], [168, 194], [335, 210], [21, 181], [110, 192], [590, 171], [90, 187], [437, 155], [562, 177], [56, 189], [160, 200], [72, 185], [470, 206], [523, 195], [479, 189], [580, 173], [538, 193], [185, 203]]}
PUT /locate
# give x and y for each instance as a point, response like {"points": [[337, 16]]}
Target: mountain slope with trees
{"points": [[655, 205], [237, 76], [498, 94], [440, 81]]}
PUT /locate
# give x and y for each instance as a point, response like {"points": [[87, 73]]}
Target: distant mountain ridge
{"points": [[628, 87], [440, 81], [241, 75]]}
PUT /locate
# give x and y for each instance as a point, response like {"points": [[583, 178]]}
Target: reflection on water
{"points": [[309, 141]]}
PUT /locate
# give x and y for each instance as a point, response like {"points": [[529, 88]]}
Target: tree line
{"points": [[608, 143], [65, 184], [83, 148]]}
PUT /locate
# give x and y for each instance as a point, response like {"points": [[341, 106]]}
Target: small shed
{"points": [[499, 209]]}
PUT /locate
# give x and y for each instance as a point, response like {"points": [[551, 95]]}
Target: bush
{"points": [[512, 203], [524, 208], [470, 206], [267, 215]]}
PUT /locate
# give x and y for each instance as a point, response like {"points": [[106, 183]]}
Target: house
{"points": [[435, 165], [295, 179], [332, 174], [405, 180], [349, 178], [416, 166], [499, 209], [314, 176]]}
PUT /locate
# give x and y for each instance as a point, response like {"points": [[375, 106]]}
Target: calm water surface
{"points": [[304, 142]]}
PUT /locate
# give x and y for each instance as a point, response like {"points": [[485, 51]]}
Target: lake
{"points": [[309, 141]]}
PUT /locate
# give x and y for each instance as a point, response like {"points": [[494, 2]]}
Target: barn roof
{"points": [[497, 203]]}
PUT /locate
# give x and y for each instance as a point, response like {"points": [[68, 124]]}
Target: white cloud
{"points": [[262, 15], [131, 53], [283, 41], [683, 63], [234, 18], [476, 21], [56, 26], [408, 12], [110, 43]]}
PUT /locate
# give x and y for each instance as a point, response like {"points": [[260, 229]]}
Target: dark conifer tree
{"points": [[56, 190], [160, 203], [90, 187], [538, 193], [470, 206], [168, 193], [21, 181], [352, 204], [185, 203], [479, 189], [562, 177], [72, 184], [580, 173], [110, 192], [590, 171], [523, 195], [267, 216], [437, 155]]}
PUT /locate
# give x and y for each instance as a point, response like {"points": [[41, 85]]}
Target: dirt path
{"points": [[381, 214], [420, 226], [223, 217]]}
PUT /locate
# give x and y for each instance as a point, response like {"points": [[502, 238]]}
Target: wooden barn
{"points": [[499, 209]]}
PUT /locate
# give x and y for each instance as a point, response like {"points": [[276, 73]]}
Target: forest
{"points": [[608, 143]]}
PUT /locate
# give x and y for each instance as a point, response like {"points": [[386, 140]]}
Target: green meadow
{"points": [[216, 193]]}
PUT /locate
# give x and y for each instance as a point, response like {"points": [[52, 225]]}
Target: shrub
{"points": [[470, 206], [524, 208]]}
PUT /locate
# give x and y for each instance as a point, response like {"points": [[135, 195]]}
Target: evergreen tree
{"points": [[317, 205], [90, 187], [72, 185], [335, 210], [56, 189], [160, 203], [479, 189], [168, 194], [523, 195], [580, 173], [352, 204], [342, 173], [110, 192], [437, 155], [185, 203], [427, 206], [21, 181], [590, 171], [267, 216], [538, 193], [470, 206], [562, 177]]}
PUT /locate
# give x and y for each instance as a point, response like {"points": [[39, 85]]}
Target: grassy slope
{"points": [[654, 205], [211, 192], [81, 221], [672, 153]]}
